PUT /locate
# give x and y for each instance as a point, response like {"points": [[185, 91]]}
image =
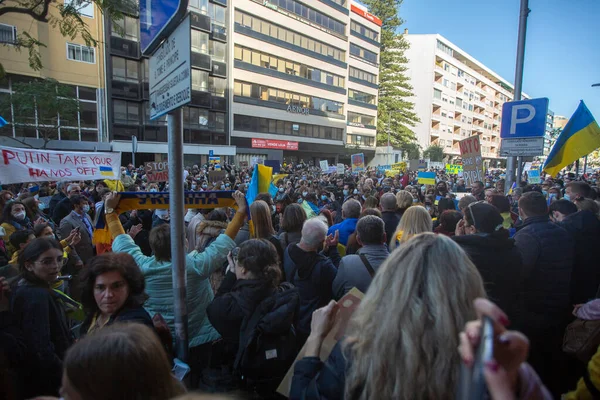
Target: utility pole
{"points": [[513, 163]]}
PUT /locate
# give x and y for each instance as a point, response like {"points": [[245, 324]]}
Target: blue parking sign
{"points": [[524, 118], [158, 18]]}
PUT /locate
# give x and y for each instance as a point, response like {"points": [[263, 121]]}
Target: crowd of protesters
{"points": [[87, 320]]}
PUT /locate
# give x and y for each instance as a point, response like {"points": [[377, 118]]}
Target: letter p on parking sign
{"points": [[524, 118]]}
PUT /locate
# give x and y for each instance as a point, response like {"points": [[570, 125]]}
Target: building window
{"points": [[311, 15], [265, 125], [199, 80], [360, 140], [364, 31], [361, 119], [275, 63], [363, 75], [445, 48], [8, 34], [277, 32], [364, 54], [85, 8], [77, 52], [265, 93], [126, 112], [218, 50], [125, 70], [200, 5], [362, 97], [437, 94], [127, 28], [199, 41], [217, 86], [217, 13], [88, 115]]}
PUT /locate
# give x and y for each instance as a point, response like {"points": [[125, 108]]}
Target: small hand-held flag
{"points": [[2, 122]]}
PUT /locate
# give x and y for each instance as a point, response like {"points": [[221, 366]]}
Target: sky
{"points": [[562, 51]]}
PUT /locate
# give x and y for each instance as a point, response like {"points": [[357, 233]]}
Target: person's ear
{"points": [[385, 239], [360, 243]]}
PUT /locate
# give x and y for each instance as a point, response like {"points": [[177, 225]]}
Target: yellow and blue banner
{"points": [[260, 182], [160, 200], [578, 138], [426, 178]]}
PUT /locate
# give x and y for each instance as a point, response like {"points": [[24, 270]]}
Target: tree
{"points": [[395, 116], [411, 151], [65, 17], [53, 103], [434, 152]]}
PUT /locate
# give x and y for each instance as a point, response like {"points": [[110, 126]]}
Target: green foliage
{"points": [[396, 114], [53, 102], [66, 18], [411, 151], [434, 153]]}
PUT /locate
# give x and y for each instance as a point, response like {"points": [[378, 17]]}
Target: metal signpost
{"points": [[167, 39]]}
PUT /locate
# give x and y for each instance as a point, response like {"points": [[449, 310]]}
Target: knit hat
{"points": [[484, 216]]}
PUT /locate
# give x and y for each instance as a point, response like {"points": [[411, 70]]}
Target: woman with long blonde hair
{"points": [[415, 220], [401, 342], [260, 214]]}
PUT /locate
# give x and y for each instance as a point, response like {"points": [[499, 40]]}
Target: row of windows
{"points": [[216, 12], [202, 44], [126, 28], [266, 125], [265, 60], [359, 140], [361, 118], [77, 52], [265, 93], [261, 26], [363, 53], [363, 75], [362, 97], [311, 14], [363, 30], [202, 82]]}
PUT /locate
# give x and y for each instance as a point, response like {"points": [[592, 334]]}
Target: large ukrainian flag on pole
{"points": [[260, 182], [579, 138]]}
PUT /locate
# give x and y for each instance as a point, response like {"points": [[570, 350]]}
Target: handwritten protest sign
{"points": [[340, 169], [216, 176], [533, 176], [324, 165], [358, 162], [157, 171], [470, 150], [454, 169], [32, 165]]}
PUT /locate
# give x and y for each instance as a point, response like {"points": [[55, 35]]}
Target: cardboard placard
{"points": [[358, 162], [157, 171], [216, 176], [324, 165], [340, 169], [470, 151]]}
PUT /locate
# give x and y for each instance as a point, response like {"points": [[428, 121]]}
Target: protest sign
{"points": [[399, 166], [332, 169], [527, 166], [32, 165], [275, 164], [243, 164], [426, 178], [157, 171], [382, 168], [454, 169], [216, 176], [256, 160], [533, 176], [358, 163], [470, 150], [436, 164], [324, 165], [216, 162], [340, 169]]}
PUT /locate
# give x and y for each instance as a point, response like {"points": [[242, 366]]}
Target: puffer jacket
{"points": [[499, 262], [159, 284], [313, 274], [207, 231], [547, 251], [585, 228]]}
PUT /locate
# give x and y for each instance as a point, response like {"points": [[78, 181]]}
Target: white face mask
{"points": [[304, 194], [19, 216], [86, 208]]}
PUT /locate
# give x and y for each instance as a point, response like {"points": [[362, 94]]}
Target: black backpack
{"points": [[267, 346]]}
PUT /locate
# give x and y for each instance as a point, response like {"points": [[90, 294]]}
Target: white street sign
{"points": [[170, 72], [531, 146]]}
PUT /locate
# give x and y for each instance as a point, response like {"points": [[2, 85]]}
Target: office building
{"points": [[560, 121], [304, 80], [455, 96], [69, 61]]}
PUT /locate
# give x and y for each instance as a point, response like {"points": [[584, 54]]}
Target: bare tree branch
{"points": [[39, 16]]}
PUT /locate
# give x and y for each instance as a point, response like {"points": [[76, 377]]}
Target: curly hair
{"points": [[259, 256]]}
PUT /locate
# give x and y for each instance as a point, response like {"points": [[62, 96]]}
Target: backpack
{"points": [[267, 347]]}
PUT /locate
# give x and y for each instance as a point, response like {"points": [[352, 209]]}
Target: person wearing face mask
{"points": [[14, 218], [160, 217]]}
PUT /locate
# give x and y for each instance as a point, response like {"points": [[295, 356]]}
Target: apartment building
{"points": [[455, 96], [304, 80], [66, 60]]}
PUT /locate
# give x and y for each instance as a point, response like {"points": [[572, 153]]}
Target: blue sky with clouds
{"points": [[562, 53]]}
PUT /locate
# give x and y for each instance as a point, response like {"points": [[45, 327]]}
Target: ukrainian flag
{"points": [[106, 171], [579, 138], [260, 182]]}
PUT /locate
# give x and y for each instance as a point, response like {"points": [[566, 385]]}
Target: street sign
{"points": [[524, 118], [211, 153], [170, 72], [533, 146], [158, 18]]}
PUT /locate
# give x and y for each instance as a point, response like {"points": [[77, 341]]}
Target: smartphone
{"points": [[471, 384]]}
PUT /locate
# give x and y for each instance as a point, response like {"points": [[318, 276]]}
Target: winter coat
{"points": [[287, 238], [127, 314], [207, 231], [346, 228], [62, 209], [41, 318], [584, 226], [499, 262], [313, 274], [352, 272], [547, 251], [159, 284], [391, 220], [314, 379]]}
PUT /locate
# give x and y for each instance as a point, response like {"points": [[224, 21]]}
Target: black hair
{"points": [[564, 207], [20, 237], [6, 213], [77, 200], [32, 252], [260, 257]]}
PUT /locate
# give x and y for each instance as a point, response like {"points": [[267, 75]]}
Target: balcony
{"points": [[435, 133], [436, 117], [438, 85], [437, 102], [439, 68]]}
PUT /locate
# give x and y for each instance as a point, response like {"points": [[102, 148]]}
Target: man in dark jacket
{"points": [[548, 254], [311, 272], [64, 207], [357, 270], [61, 193], [388, 213]]}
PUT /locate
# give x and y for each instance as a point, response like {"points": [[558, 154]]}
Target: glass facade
{"points": [[362, 97], [266, 93], [360, 140], [265, 125], [363, 30], [362, 75], [277, 32], [311, 15], [365, 54], [361, 119]]}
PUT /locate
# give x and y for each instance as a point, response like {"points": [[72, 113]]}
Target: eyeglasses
{"points": [[473, 215]]}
